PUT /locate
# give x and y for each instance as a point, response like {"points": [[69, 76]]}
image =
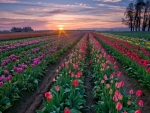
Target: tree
{"points": [[129, 16], [138, 13]]}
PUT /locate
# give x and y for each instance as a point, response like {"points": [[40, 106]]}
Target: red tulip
{"points": [[79, 74], [67, 111], [116, 67], [75, 83], [140, 103], [118, 106], [48, 95], [139, 93], [138, 111]]}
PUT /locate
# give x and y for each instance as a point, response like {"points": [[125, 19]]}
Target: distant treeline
{"points": [[137, 16], [24, 29]]}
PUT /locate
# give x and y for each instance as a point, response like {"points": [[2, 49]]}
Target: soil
{"points": [[88, 84], [32, 101], [132, 83]]}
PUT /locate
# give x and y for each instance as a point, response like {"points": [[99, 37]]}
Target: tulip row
{"points": [[68, 92], [134, 41], [26, 74], [108, 91], [133, 45], [11, 36], [139, 52], [136, 35], [135, 66]]}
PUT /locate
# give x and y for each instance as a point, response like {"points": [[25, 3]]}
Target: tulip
{"points": [[105, 77], [120, 96], [129, 102], [117, 85], [110, 91], [67, 110], [121, 83], [19, 70], [107, 85], [79, 74], [102, 81], [2, 78], [9, 78], [119, 74], [115, 98], [1, 83], [118, 106], [6, 72], [138, 111], [140, 103], [139, 93], [75, 83], [48, 95], [116, 67], [131, 92], [57, 88]]}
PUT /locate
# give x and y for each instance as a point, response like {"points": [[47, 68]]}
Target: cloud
{"points": [[7, 23], [108, 0], [112, 6]]}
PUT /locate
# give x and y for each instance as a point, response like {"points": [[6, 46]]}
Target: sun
{"points": [[61, 28]]}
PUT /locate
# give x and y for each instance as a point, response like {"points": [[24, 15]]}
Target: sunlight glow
{"points": [[61, 28]]}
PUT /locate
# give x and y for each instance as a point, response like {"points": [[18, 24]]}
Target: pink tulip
{"points": [[1, 83], [121, 83], [57, 88], [131, 92], [140, 103], [115, 98], [119, 74], [118, 106]]}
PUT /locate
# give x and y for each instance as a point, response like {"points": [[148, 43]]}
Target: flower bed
{"points": [[108, 91], [68, 92]]}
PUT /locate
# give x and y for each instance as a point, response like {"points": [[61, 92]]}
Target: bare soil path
{"points": [[88, 83]]}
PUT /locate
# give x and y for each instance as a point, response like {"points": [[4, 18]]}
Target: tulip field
{"points": [[90, 79]]}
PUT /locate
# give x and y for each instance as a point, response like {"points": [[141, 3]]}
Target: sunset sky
{"points": [[71, 14]]}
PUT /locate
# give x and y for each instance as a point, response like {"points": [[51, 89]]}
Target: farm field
{"points": [[81, 72]]}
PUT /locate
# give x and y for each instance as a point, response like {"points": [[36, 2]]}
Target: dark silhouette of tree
{"points": [[146, 15], [24, 29], [129, 16], [137, 15], [139, 6]]}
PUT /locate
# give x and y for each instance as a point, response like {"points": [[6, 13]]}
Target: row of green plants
{"points": [[132, 67], [108, 91], [26, 75], [67, 94]]}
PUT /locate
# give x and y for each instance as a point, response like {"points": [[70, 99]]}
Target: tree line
{"points": [[24, 29], [137, 16]]}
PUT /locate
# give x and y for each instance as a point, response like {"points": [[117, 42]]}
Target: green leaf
{"points": [[75, 111]]}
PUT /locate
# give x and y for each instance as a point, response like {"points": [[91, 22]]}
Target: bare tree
{"points": [[129, 16], [139, 6]]}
